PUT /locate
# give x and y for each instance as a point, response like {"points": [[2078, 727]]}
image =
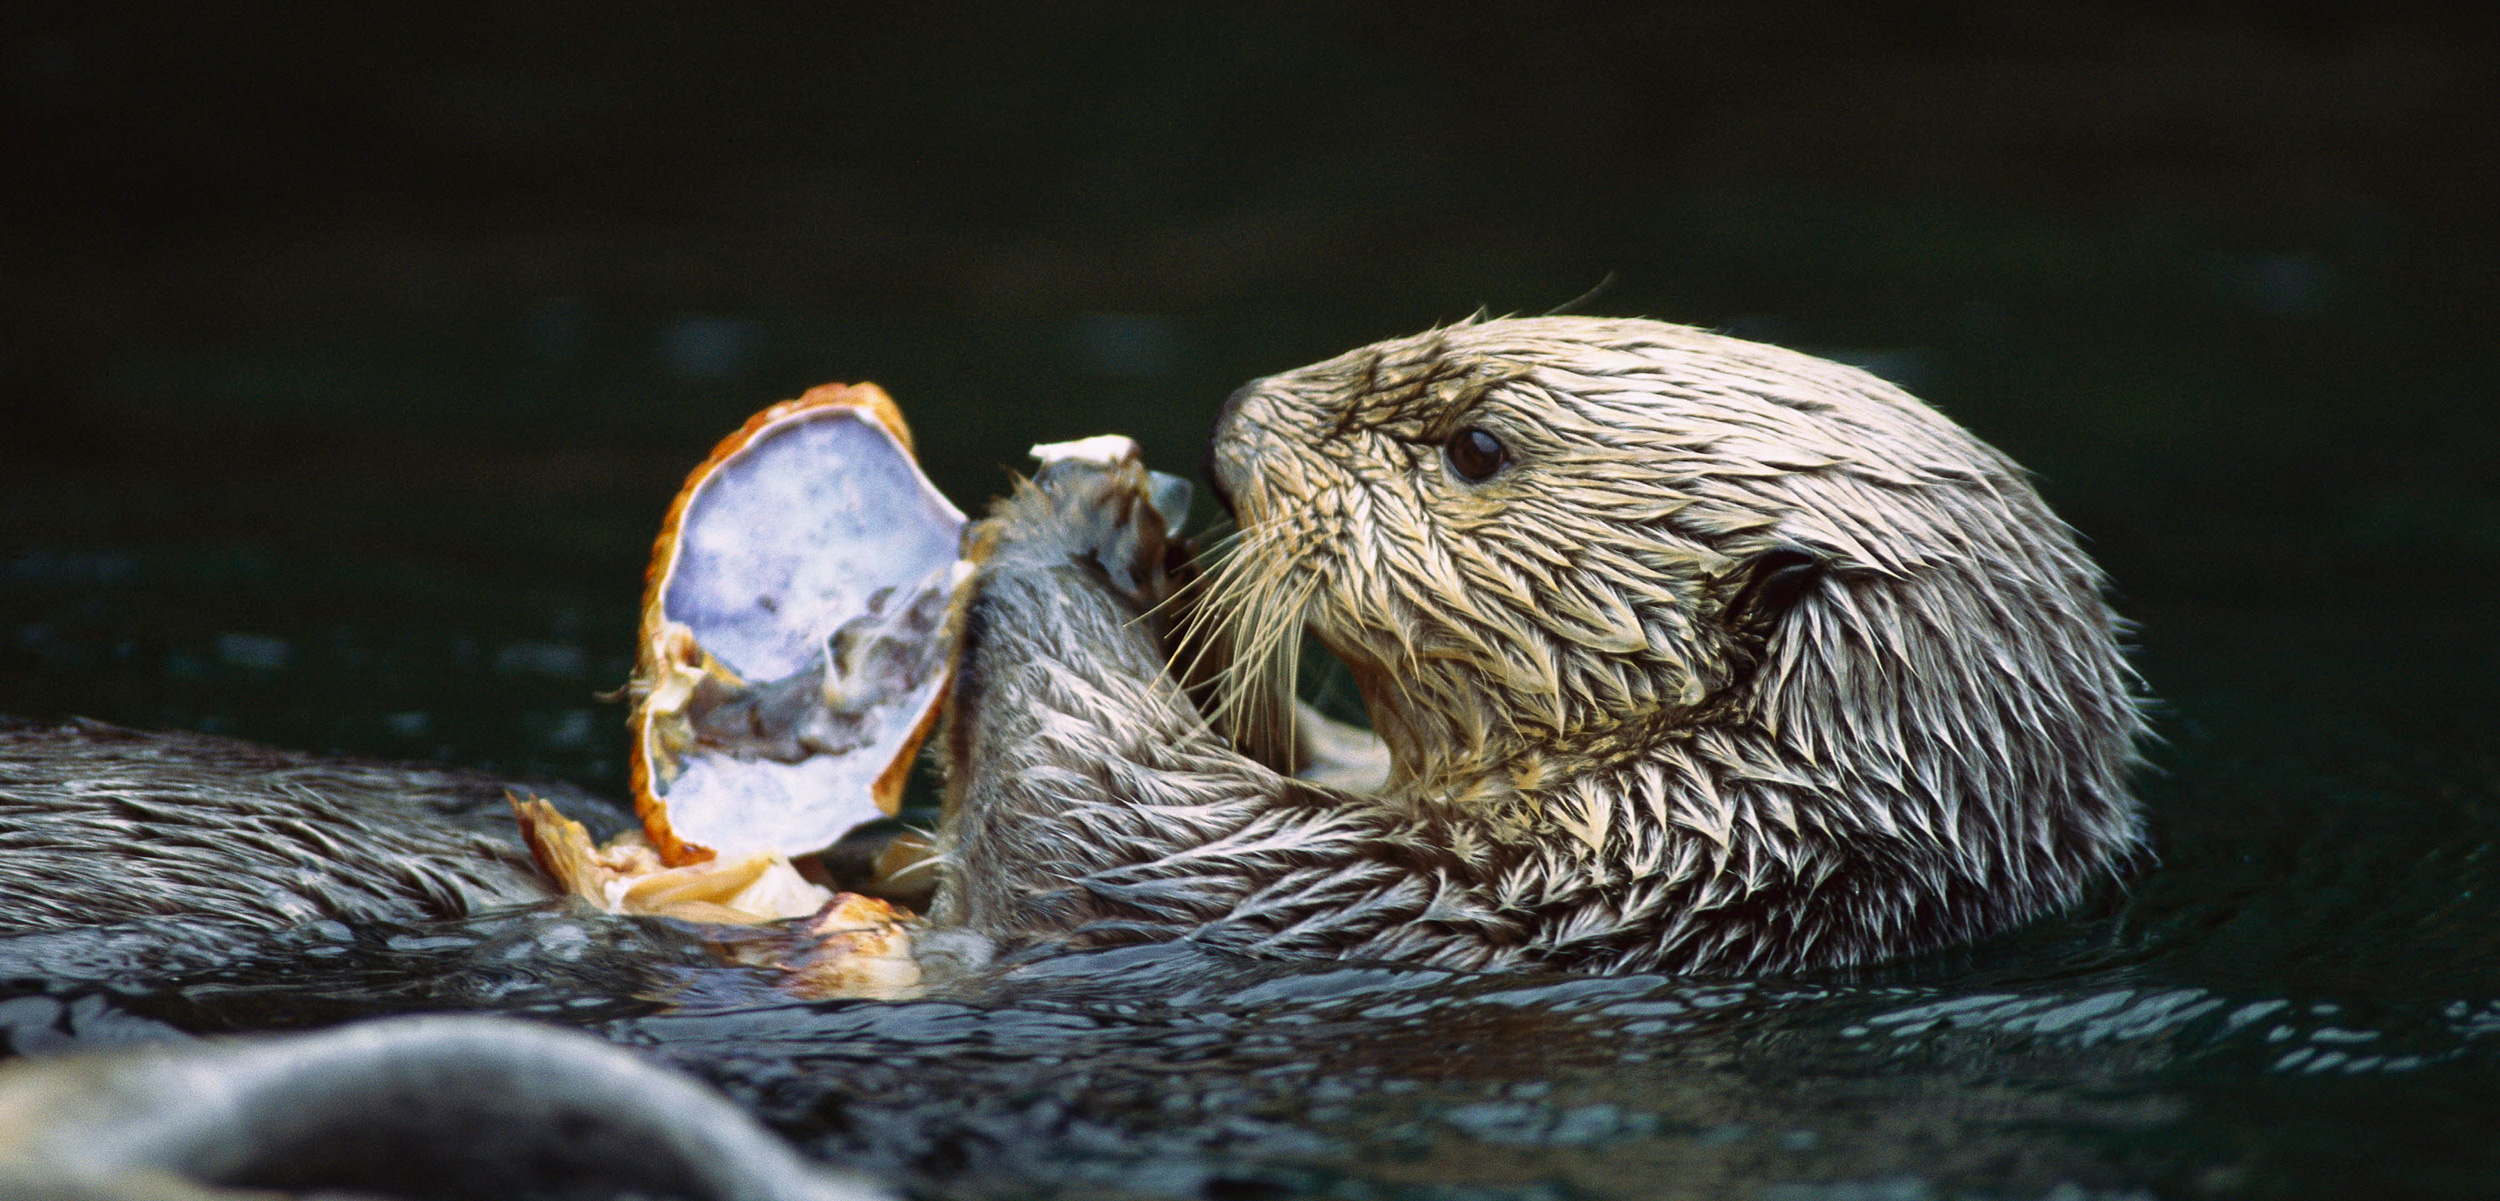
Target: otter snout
{"points": [[1218, 465]]}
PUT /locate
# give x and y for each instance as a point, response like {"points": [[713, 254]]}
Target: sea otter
{"points": [[1684, 653], [1687, 654]]}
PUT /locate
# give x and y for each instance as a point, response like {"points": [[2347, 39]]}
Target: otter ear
{"points": [[1773, 582]]}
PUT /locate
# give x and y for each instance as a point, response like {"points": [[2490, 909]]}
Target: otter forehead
{"points": [[1627, 384], [1633, 423]]}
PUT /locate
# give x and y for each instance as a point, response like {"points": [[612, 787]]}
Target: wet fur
{"points": [[1614, 744], [101, 825]]}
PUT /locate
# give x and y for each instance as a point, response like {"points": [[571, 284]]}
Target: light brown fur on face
{"points": [[1742, 661]]}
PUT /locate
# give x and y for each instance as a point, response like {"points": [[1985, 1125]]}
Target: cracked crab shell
{"points": [[796, 632]]}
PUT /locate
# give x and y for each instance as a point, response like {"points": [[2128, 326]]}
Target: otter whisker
{"points": [[1220, 638], [926, 863], [1260, 704], [1211, 599], [1246, 618], [1246, 565]]}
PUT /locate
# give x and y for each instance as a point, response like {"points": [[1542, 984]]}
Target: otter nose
{"points": [[1213, 468]]}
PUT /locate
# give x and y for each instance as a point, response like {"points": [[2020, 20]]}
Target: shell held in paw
{"points": [[795, 642], [627, 877]]}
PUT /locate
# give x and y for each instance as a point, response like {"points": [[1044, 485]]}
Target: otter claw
{"points": [[1170, 495]]}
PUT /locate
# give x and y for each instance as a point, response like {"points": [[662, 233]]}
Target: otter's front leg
{"points": [[1070, 751], [1087, 800]]}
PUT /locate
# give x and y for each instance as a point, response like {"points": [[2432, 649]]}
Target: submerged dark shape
{"points": [[407, 1107]]}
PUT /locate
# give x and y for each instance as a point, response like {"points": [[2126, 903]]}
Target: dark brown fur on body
{"points": [[101, 825], [1608, 749]]}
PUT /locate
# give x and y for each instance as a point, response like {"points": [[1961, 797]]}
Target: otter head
{"points": [[1676, 607]]}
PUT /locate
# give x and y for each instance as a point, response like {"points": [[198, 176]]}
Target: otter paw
{"points": [[1093, 502]]}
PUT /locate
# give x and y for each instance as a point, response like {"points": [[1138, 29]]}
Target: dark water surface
{"points": [[351, 364]]}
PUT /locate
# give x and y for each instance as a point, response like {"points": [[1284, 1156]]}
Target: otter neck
{"points": [[1435, 749], [1468, 756]]}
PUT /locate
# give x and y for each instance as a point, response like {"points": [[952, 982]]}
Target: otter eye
{"points": [[1475, 455], [1773, 583]]}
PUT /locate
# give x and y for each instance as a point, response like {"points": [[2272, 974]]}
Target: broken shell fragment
{"points": [[850, 946], [854, 947], [627, 877], [1101, 450], [795, 633]]}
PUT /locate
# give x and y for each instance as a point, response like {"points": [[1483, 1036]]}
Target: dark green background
{"points": [[386, 334], [350, 355]]}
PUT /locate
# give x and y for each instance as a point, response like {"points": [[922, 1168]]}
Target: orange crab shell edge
{"points": [[648, 805]]}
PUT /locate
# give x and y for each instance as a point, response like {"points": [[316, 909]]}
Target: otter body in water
{"points": [[1687, 653], [101, 825], [1684, 653]]}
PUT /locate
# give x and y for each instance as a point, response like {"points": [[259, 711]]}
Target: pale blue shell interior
{"points": [[784, 542]]}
